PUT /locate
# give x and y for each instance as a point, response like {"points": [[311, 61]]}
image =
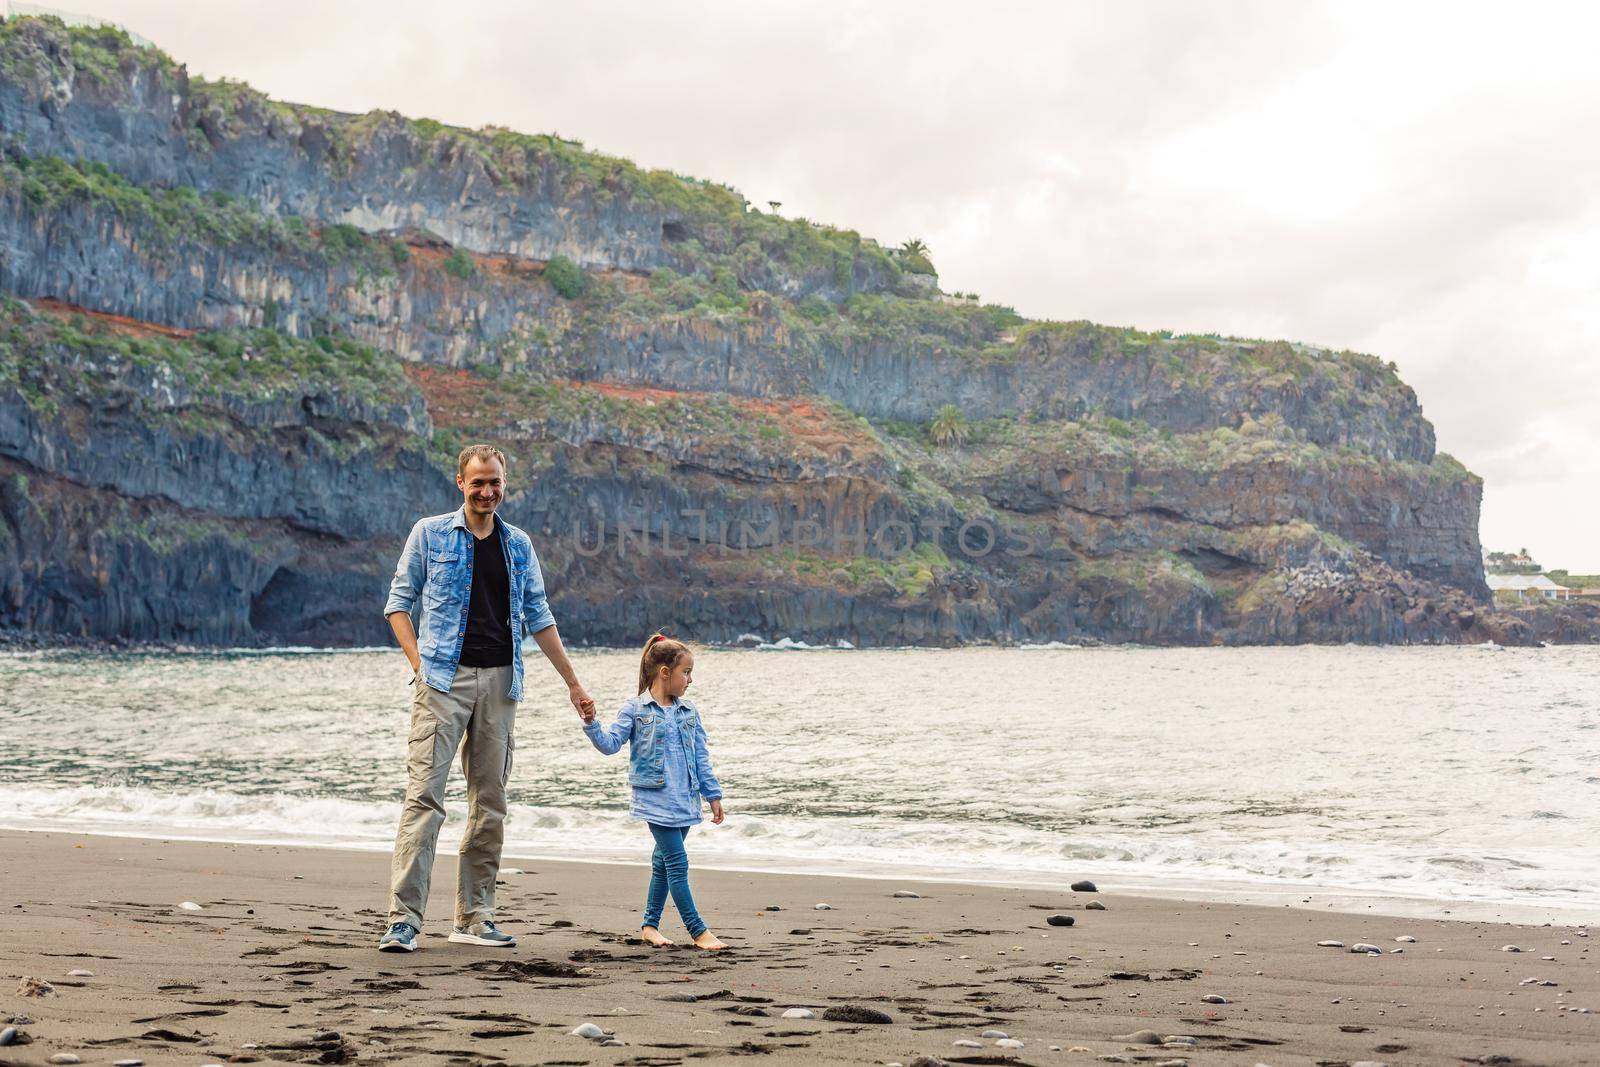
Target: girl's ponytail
{"points": [[660, 651]]}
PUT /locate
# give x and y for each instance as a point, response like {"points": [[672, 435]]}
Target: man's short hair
{"points": [[483, 452]]}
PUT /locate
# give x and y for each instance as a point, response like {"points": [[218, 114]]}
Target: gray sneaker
{"points": [[482, 933], [402, 937]]}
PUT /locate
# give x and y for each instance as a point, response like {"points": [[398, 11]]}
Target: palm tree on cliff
{"points": [[949, 427], [915, 247]]}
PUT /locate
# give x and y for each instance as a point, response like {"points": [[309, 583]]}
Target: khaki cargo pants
{"points": [[478, 709]]}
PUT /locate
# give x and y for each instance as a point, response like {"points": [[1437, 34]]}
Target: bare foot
{"points": [[708, 941], [652, 935]]}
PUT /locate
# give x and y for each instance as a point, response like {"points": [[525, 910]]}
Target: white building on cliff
{"points": [[1523, 585]]}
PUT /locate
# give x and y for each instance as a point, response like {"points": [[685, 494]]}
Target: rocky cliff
{"points": [[242, 340]]}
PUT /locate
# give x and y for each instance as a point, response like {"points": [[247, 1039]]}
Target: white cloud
{"points": [[1416, 180]]}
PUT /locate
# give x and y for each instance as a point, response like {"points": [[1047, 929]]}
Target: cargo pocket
{"points": [[420, 745], [511, 748]]}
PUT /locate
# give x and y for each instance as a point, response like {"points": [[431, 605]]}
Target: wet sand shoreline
{"points": [[282, 955]]}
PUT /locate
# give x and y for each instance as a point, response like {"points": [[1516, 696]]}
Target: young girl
{"points": [[669, 768]]}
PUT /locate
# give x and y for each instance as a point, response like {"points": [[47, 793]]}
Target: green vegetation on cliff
{"points": [[181, 214], [565, 277], [40, 48], [1109, 444], [908, 576], [1141, 571], [51, 357]]}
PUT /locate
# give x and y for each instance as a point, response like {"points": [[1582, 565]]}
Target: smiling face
{"points": [[483, 485], [676, 679]]}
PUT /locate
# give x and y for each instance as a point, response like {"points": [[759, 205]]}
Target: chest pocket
{"points": [[645, 725], [443, 563]]}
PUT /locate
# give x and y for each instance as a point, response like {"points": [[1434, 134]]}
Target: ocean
{"points": [[1433, 781]]}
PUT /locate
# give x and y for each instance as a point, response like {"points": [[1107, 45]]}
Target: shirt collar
{"points": [[460, 519], [648, 697]]}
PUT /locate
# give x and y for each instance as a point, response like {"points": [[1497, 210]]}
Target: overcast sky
{"points": [[1415, 180]]}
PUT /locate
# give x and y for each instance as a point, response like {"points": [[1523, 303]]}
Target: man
{"points": [[471, 582]]}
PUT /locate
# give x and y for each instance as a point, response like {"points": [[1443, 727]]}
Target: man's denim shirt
{"points": [[433, 584]]}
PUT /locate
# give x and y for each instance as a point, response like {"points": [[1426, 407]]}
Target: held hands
{"points": [[716, 811], [582, 702]]}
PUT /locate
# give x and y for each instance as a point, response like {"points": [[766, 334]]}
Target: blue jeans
{"points": [[669, 871]]}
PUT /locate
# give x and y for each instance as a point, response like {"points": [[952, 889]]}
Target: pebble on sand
{"points": [[1212, 998], [1330, 944], [65, 1057], [1008, 1042], [1084, 886], [588, 1030], [1141, 1037], [1094, 905], [906, 894], [512, 870], [190, 905], [1061, 920], [80, 973], [967, 1042], [8, 1036], [1407, 938], [823, 907], [28, 986], [799, 1013], [1509, 948], [127, 1063], [993, 1034], [1363, 947]]}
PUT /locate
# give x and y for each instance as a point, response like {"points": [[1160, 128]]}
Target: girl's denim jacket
{"points": [[642, 723]]}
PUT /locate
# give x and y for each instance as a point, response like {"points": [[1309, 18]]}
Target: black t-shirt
{"points": [[488, 639]]}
